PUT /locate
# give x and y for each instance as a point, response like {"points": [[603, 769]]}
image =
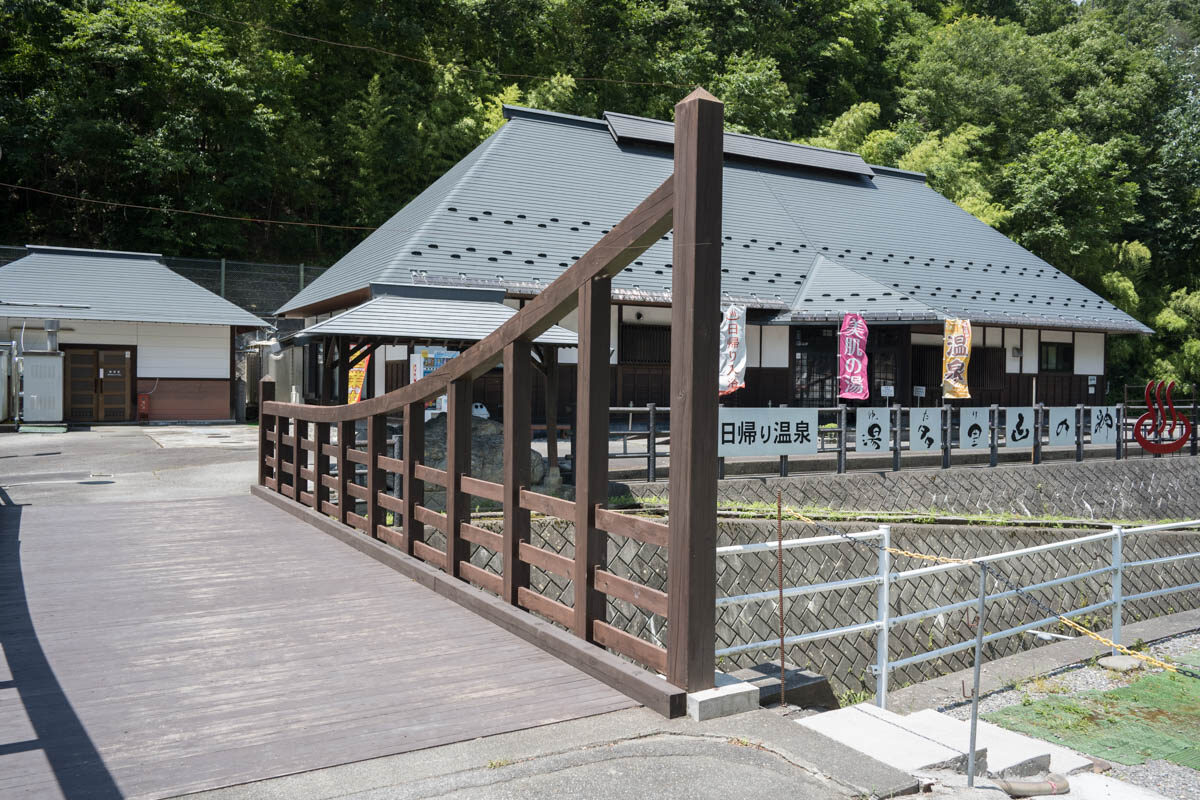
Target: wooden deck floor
{"points": [[154, 649]]}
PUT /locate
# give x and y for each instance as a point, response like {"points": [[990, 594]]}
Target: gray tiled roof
{"points": [[422, 318], [69, 283], [834, 289], [539, 192]]}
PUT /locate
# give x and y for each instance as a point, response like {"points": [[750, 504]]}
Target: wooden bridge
{"points": [[304, 465]]}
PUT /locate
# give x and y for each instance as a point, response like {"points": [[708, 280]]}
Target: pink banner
{"points": [[852, 358]]}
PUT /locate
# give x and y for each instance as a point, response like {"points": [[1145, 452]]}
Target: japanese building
{"points": [[809, 235]]}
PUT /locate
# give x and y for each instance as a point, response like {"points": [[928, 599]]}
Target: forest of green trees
{"points": [[1073, 128]]}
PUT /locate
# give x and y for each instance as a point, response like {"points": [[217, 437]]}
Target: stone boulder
{"points": [[487, 450]]}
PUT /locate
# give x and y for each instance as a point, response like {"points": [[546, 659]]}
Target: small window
{"points": [[1057, 357]]}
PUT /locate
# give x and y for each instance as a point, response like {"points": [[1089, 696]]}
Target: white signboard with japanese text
{"points": [[873, 429], [1018, 427], [974, 428], [1104, 425], [767, 432], [1061, 422], [925, 428]]}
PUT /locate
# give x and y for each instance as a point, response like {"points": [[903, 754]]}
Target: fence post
{"points": [[721, 468], [1120, 431], [302, 277], [321, 468], [651, 446], [376, 478], [896, 438], [1037, 434], [947, 418], [841, 438], [994, 435], [695, 305], [413, 488], [345, 470], [281, 430], [980, 617], [300, 459], [222, 277], [884, 607], [458, 463], [591, 461], [266, 394], [1079, 417], [1118, 590], [517, 420]]}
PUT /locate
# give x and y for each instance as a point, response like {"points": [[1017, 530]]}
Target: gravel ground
{"points": [[1171, 780]]}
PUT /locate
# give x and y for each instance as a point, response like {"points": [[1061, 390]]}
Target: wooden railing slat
{"points": [[320, 487], [481, 577], [551, 609], [356, 456], [357, 491], [430, 517], [643, 530], [389, 535], [518, 402], [643, 597], [553, 563], [482, 537], [393, 504], [629, 645], [545, 504], [429, 474], [429, 553], [458, 463], [481, 488], [357, 521], [391, 464], [329, 508]]}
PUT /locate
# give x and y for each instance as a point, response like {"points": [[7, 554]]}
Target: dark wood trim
{"points": [[645, 688], [429, 474], [345, 471], [481, 488], [458, 463], [548, 505], [413, 489], [481, 577], [483, 538], [591, 451], [518, 402], [696, 304]]}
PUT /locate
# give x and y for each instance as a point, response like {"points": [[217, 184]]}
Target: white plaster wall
{"points": [[754, 345], [1089, 354], [775, 345], [927, 338], [1012, 338], [993, 337], [1056, 336], [1029, 348], [164, 350], [651, 315]]}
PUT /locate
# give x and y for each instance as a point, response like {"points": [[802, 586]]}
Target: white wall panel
{"points": [[1012, 339], [754, 334], [775, 345], [651, 315], [1089, 354], [1056, 336], [182, 351], [1029, 349], [993, 337]]}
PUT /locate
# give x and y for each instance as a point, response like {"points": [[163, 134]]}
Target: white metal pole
{"points": [[1118, 590], [978, 664], [884, 612]]}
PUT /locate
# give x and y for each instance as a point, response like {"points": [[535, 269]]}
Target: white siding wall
{"points": [[1029, 351], [163, 350], [1089, 354], [1056, 336], [1012, 339], [775, 345]]}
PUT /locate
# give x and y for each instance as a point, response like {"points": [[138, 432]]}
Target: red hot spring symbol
{"points": [[1153, 424]]}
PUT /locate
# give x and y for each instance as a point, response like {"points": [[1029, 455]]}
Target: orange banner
{"points": [[956, 355], [358, 376]]}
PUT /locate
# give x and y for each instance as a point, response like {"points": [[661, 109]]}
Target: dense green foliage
{"points": [[1074, 129]]}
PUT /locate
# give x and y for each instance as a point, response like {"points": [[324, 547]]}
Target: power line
{"points": [[425, 61], [185, 211]]}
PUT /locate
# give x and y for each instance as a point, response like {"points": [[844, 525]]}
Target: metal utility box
{"points": [[42, 387], [5, 380]]}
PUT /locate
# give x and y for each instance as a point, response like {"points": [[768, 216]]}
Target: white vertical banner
{"points": [[732, 375]]}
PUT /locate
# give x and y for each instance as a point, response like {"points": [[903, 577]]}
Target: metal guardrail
{"points": [[885, 579]]}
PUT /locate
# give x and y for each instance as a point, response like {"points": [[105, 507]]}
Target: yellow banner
{"points": [[956, 355], [358, 376]]}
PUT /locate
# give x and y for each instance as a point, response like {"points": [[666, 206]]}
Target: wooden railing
{"points": [[302, 459]]}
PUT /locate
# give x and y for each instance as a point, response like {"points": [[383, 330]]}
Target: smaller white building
{"points": [[128, 325]]}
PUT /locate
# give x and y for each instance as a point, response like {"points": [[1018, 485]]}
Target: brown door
{"points": [[99, 384], [82, 373], [113, 399]]}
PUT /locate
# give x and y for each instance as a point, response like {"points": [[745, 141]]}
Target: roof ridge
{"points": [[826, 263]]}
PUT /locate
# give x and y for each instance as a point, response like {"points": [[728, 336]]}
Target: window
{"points": [[815, 375], [1056, 357], [645, 344]]}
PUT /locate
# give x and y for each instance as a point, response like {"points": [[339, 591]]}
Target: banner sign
{"points": [[427, 362], [956, 354], [873, 429], [767, 432], [852, 358], [925, 428], [974, 431], [1018, 428], [1062, 426], [357, 377], [1104, 425], [732, 374]]}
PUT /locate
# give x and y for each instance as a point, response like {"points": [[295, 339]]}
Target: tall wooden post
{"points": [[320, 489], [345, 474], [591, 453], [413, 488], [458, 463], [550, 359], [517, 402], [695, 314], [376, 478], [266, 394]]}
